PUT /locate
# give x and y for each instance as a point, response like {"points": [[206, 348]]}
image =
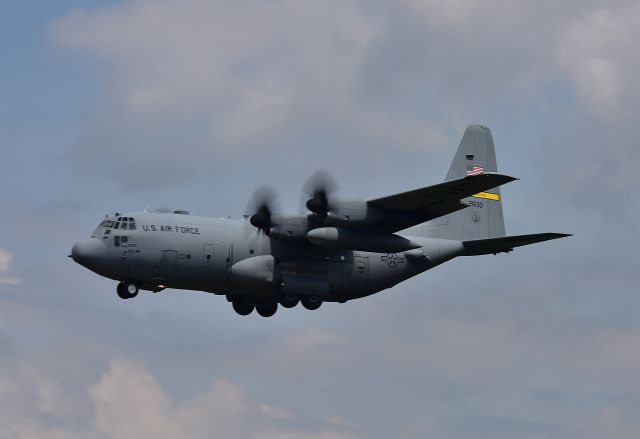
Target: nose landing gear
{"points": [[127, 290]]}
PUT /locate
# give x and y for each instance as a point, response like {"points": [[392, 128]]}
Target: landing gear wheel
{"points": [[311, 302], [131, 289], [242, 308], [127, 290], [289, 300], [267, 310], [121, 291]]}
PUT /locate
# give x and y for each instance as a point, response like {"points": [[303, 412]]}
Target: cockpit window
{"points": [[123, 223]]}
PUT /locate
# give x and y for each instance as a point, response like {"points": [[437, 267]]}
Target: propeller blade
{"points": [[261, 208], [319, 188]]}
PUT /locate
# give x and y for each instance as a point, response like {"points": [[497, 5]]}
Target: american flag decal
{"points": [[475, 170]]}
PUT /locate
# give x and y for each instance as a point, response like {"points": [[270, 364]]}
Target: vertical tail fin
{"points": [[483, 219]]}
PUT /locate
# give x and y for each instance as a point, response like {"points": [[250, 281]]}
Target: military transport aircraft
{"points": [[342, 249]]}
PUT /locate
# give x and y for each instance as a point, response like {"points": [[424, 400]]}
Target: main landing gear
{"points": [[244, 307], [311, 302], [127, 290]]}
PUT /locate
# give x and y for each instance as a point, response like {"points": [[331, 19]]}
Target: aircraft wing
{"points": [[407, 209]]}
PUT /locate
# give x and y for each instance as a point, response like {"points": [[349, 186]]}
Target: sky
{"points": [[118, 105]]}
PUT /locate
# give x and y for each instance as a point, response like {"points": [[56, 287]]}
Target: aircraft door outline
{"points": [[167, 263]]}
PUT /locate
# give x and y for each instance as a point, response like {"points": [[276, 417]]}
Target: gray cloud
{"points": [[6, 276], [201, 89]]}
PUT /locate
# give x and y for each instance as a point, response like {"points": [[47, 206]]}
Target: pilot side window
{"points": [[132, 224], [124, 226], [120, 241]]}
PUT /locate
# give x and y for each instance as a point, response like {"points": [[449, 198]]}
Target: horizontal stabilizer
{"points": [[506, 243]]}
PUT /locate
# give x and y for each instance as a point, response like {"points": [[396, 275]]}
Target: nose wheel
{"points": [[127, 290]]}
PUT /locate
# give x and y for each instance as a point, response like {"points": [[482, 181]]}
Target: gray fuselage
{"points": [[168, 250]]}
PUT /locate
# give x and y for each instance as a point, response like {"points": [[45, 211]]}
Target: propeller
{"points": [[261, 208], [319, 187]]}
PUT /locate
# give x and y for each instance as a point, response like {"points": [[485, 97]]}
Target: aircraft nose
{"points": [[89, 252]]}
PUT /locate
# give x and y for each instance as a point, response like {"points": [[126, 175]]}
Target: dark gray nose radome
{"points": [[89, 252]]}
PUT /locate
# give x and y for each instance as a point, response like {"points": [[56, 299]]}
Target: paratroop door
{"points": [[167, 262]]}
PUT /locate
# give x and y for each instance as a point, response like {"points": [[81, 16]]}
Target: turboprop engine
{"points": [[350, 239]]}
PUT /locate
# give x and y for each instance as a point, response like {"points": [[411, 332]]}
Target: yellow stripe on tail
{"points": [[487, 196]]}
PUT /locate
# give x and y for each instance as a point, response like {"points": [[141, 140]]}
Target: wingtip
{"points": [[505, 177], [558, 235]]}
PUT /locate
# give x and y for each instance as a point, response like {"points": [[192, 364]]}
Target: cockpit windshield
{"points": [[121, 223]]}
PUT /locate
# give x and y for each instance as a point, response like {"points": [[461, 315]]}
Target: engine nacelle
{"points": [[290, 228], [352, 212], [348, 239]]}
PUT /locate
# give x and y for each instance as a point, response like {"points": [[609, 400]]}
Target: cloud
{"points": [[205, 87], [194, 88], [5, 268], [594, 54], [127, 402]]}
